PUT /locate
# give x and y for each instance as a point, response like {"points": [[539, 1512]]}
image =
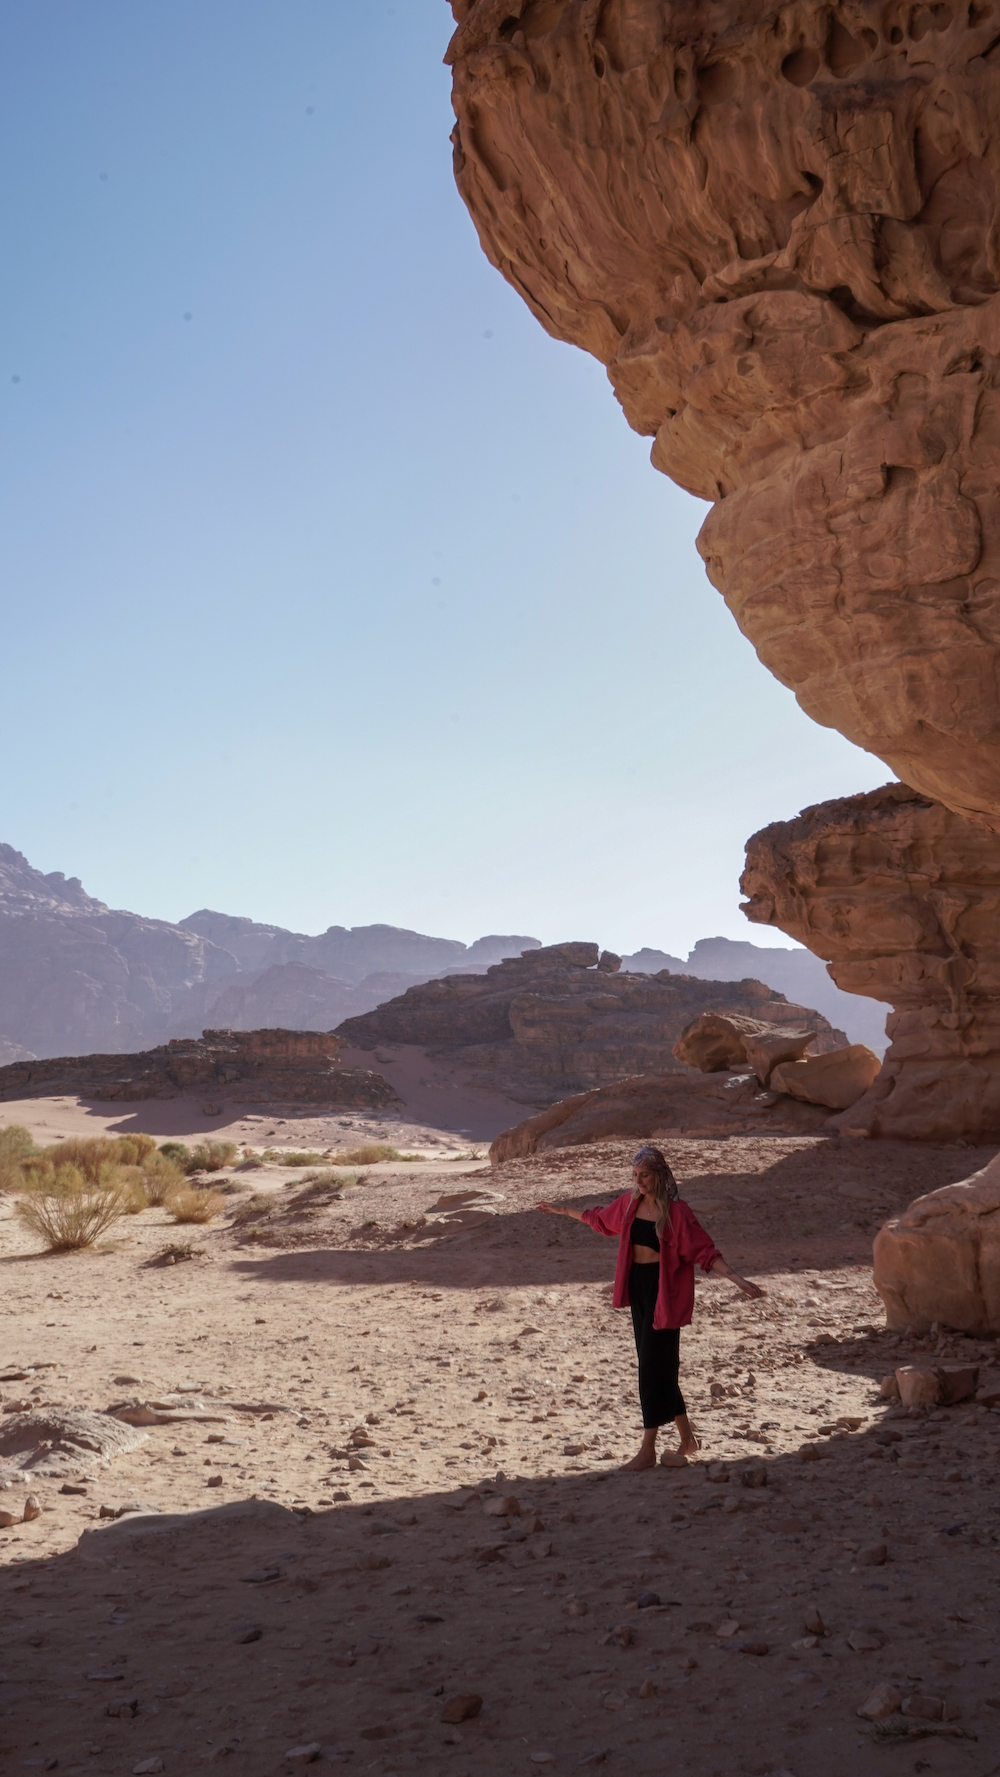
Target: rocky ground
{"points": [[405, 1490]]}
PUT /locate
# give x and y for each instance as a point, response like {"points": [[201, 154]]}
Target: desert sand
{"points": [[327, 1560]]}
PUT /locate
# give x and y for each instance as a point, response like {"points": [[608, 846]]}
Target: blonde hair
{"points": [[666, 1191]]}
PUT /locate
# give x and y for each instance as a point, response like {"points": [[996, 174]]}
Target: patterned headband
{"points": [[659, 1161]]}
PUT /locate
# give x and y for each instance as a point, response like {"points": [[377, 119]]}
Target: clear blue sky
{"points": [[335, 591]]}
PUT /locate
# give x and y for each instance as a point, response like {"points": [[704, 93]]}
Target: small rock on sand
{"points": [[461, 1708], [305, 1754], [884, 1700]]}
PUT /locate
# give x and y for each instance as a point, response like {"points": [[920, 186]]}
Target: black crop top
{"points": [[644, 1234]]}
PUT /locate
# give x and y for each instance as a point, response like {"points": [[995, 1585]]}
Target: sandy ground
{"points": [[429, 1310]]}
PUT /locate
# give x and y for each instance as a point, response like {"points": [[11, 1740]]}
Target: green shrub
{"points": [[90, 1154], [292, 1157], [16, 1146], [212, 1156], [178, 1152]]}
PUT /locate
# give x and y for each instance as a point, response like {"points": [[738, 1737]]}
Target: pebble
{"points": [[147, 1767], [32, 1508], [501, 1506], [729, 1628], [813, 1623], [865, 1641], [926, 1708], [7, 1519], [461, 1708], [305, 1754], [671, 1459], [648, 1689], [872, 1555], [884, 1700], [214, 1481]]}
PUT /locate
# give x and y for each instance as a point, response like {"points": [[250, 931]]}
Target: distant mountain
{"points": [[797, 974], [78, 978]]}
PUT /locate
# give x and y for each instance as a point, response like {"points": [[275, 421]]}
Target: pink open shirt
{"points": [[680, 1252]]}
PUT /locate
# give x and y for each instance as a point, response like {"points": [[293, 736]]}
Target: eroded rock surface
{"points": [[902, 897], [714, 1043], [940, 1259], [776, 227], [54, 1440], [658, 1107], [554, 1020]]}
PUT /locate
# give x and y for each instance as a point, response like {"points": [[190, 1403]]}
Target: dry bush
{"points": [[134, 1186], [16, 1146], [212, 1156], [261, 1204], [161, 1178], [292, 1157], [69, 1210], [368, 1154], [189, 1205], [91, 1154], [251, 1161]]}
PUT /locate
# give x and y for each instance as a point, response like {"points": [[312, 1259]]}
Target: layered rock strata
{"points": [[902, 898], [257, 1066], [776, 226], [715, 1044], [565, 1019]]}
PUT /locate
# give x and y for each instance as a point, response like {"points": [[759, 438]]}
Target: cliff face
{"points": [[903, 899], [560, 1020], [77, 976], [274, 1066], [777, 228]]}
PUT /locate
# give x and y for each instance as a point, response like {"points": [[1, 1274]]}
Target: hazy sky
{"points": [[335, 591]]}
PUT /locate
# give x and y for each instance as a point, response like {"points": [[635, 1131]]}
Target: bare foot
{"points": [[690, 1445], [645, 1459]]}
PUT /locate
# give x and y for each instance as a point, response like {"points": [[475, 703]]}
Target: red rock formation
{"points": [[257, 1066], [777, 228], [564, 1018], [649, 1107], [902, 898], [940, 1260]]}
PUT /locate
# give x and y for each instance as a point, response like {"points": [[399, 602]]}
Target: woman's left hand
{"points": [[746, 1288]]}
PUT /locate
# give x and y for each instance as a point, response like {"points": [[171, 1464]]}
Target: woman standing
{"points": [[660, 1241]]}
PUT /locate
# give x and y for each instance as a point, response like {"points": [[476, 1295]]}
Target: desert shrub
{"points": [[292, 1157], [91, 1154], [68, 1210], [133, 1185], [368, 1154], [212, 1156], [251, 1161], [134, 1149], [190, 1205], [161, 1177], [16, 1146], [258, 1206], [175, 1252], [178, 1153]]}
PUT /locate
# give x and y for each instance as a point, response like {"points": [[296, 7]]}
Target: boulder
{"points": [[837, 1079], [768, 1049], [657, 1106], [940, 1259], [54, 1441]]}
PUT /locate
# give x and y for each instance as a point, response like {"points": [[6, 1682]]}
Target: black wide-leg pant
{"points": [[658, 1348]]}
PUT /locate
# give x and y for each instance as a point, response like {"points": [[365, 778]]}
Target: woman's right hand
{"points": [[549, 1209]]}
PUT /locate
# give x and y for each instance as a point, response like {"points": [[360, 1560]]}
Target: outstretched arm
{"points": [[721, 1269], [554, 1209]]}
